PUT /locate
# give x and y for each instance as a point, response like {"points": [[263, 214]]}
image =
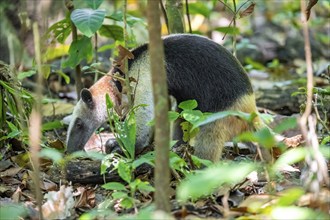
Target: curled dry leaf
{"points": [[248, 11], [86, 197], [310, 5], [124, 53], [59, 204]]}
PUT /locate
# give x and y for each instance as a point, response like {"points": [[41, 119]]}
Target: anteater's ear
{"points": [[87, 97]]}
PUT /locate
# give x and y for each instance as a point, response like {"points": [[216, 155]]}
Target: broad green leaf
{"points": [[127, 202], [45, 70], [13, 211], [131, 20], [220, 115], [148, 158], [60, 30], [52, 154], [79, 50], [192, 116], [94, 4], [125, 171], [199, 8], [112, 31], [114, 186], [228, 30], [88, 21], [290, 157], [290, 196], [119, 195], [295, 212], [64, 76], [188, 104], [265, 138], [145, 187], [52, 125], [176, 162], [211, 178], [286, 124], [23, 75], [173, 115], [199, 162]]}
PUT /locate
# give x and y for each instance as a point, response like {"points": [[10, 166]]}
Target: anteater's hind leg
{"points": [[209, 142]]}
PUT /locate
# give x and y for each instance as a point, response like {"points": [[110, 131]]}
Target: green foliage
{"points": [[124, 130], [212, 178], [88, 21], [13, 211], [15, 107], [79, 50], [59, 31], [112, 31]]}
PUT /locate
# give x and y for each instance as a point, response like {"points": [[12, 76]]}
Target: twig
{"points": [[308, 57], [35, 123], [188, 16]]}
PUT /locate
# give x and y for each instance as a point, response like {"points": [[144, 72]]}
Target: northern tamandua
{"points": [[197, 68]]}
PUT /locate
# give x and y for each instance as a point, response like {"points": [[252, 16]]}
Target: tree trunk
{"points": [[162, 128], [174, 16]]}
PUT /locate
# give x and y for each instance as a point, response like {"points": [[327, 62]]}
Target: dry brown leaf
{"points": [[10, 172], [86, 197], [123, 54], [5, 164], [294, 141], [16, 197], [59, 204], [248, 11], [48, 185], [310, 5]]}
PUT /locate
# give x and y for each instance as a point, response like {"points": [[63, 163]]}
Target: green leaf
{"points": [[108, 101], [265, 138], [112, 31], [94, 4], [199, 8], [172, 116], [145, 187], [127, 202], [192, 116], [79, 50], [290, 157], [128, 134], [52, 154], [228, 30], [148, 158], [119, 195], [23, 75], [13, 211], [188, 104], [124, 171], [220, 115], [286, 124], [60, 30], [212, 178], [297, 212], [290, 196], [64, 76], [52, 125], [88, 21], [176, 162], [12, 126], [131, 20], [114, 186]]}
